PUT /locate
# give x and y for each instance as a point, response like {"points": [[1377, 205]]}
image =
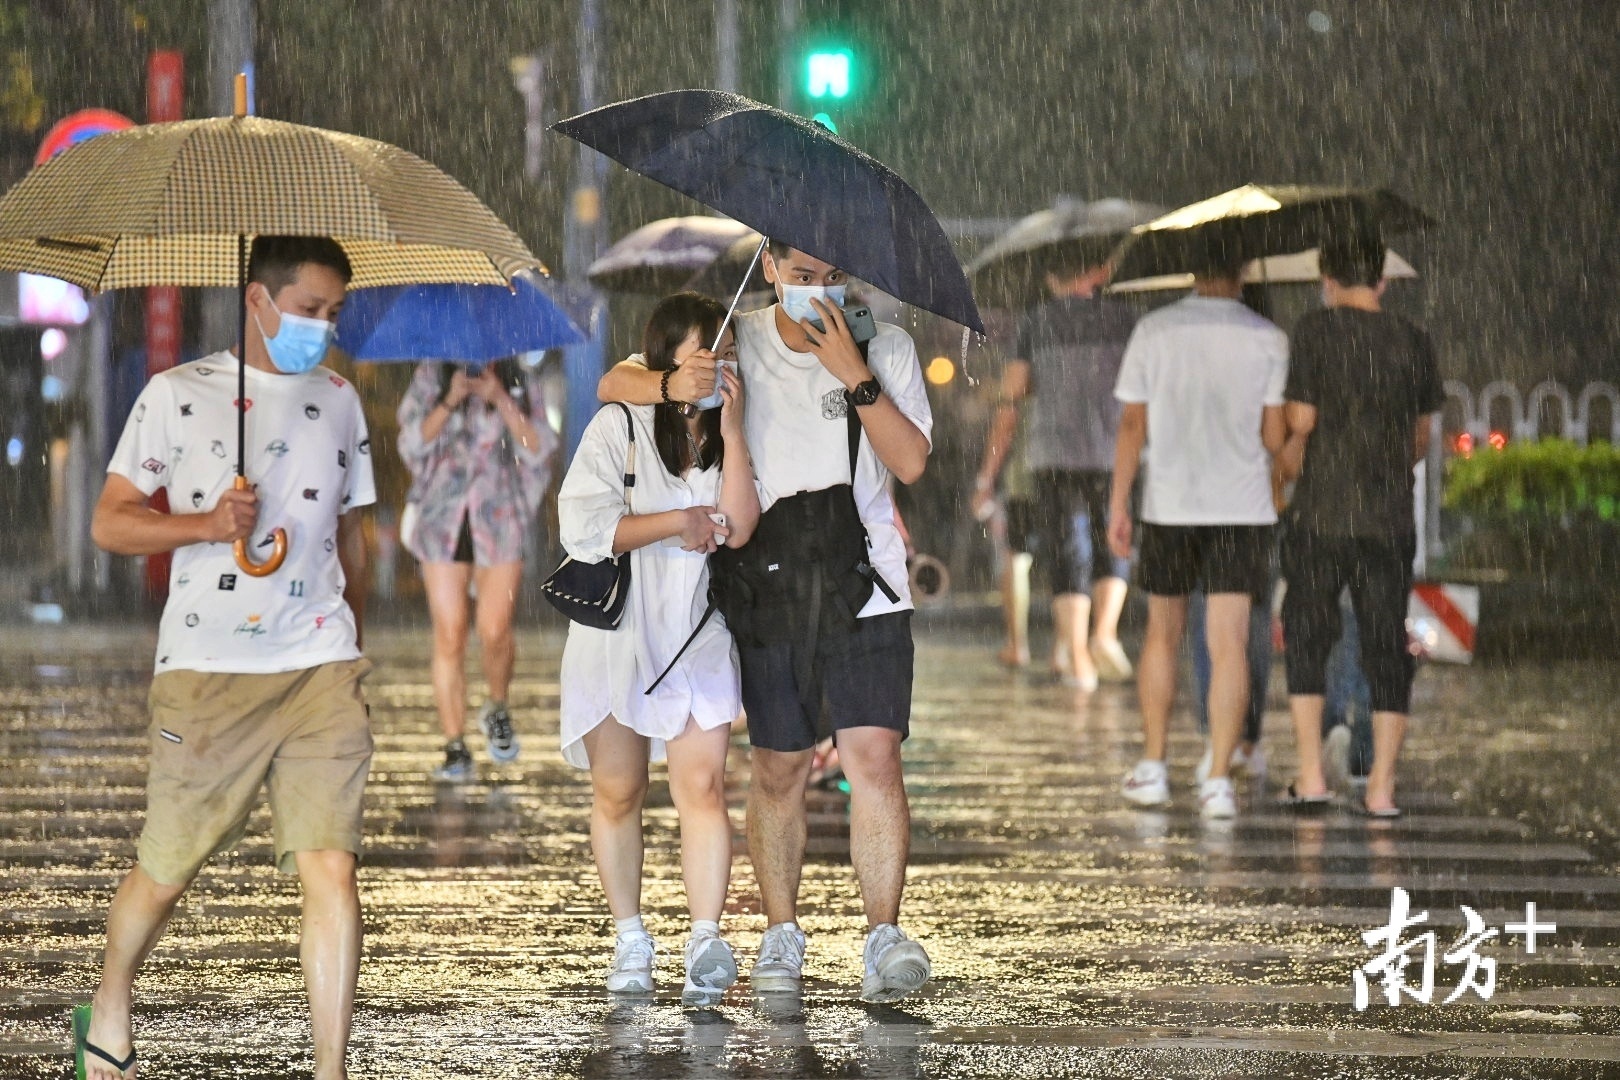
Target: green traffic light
{"points": [[827, 73], [825, 121]]}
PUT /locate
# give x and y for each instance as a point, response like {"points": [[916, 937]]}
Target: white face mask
{"points": [[796, 299]]}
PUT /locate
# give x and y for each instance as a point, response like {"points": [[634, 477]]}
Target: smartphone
{"points": [[861, 324], [675, 541]]}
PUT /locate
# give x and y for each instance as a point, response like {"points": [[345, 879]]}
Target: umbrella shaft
{"points": [[241, 360], [737, 298]]}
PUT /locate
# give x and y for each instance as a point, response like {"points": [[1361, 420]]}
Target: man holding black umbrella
{"points": [[814, 392]]}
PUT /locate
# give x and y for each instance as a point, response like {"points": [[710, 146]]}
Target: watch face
{"points": [[866, 393]]}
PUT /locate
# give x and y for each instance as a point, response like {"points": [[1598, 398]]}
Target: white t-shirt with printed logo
{"points": [[309, 456], [797, 432]]}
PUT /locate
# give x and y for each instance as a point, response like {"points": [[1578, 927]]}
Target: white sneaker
{"points": [[895, 965], [779, 967], [632, 964], [1252, 763], [1148, 784], [1216, 799], [711, 968], [1112, 663]]}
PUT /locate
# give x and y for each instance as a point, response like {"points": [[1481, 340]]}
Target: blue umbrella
{"points": [[475, 323], [791, 180]]}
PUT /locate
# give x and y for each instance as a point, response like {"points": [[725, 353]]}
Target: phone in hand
{"points": [[861, 324]]}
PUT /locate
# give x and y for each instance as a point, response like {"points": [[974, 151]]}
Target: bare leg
{"points": [[1307, 714], [879, 819], [697, 783], [497, 601], [1389, 732], [135, 921], [1107, 603], [1226, 630], [1071, 621], [329, 950], [776, 828], [1015, 608], [618, 759], [446, 587], [1156, 672]]}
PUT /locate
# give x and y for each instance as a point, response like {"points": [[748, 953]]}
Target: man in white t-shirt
{"points": [[257, 678], [803, 385], [1202, 389]]}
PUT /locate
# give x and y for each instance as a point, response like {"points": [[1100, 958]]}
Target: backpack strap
{"points": [[865, 568]]}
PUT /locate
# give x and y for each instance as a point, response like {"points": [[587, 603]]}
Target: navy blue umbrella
{"points": [[475, 323], [793, 181]]}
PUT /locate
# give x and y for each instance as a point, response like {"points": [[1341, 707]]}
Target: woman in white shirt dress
{"points": [[693, 490]]}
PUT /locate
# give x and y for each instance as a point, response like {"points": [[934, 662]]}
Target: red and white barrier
{"points": [[1441, 621]]}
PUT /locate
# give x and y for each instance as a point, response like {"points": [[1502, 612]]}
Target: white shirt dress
{"points": [[605, 672]]}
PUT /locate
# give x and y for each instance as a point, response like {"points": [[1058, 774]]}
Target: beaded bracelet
{"points": [[663, 387]]}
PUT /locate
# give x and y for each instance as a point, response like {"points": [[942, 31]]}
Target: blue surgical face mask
{"points": [[299, 344], [796, 299]]}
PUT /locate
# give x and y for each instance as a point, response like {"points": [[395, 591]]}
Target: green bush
{"points": [[1553, 480]]}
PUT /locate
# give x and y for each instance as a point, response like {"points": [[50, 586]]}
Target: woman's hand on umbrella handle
{"points": [[731, 404], [693, 380], [835, 346]]}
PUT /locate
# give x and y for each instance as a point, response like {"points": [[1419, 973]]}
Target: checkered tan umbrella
{"points": [[166, 204]]}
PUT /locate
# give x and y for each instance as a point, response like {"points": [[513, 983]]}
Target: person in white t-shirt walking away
{"points": [[1202, 389], [257, 678], [813, 395]]}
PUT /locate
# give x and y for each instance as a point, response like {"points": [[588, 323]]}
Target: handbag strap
{"points": [[630, 455]]}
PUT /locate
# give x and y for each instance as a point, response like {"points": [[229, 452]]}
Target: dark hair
{"points": [[675, 317], [778, 248], [1219, 257], [274, 260], [508, 371], [1353, 260]]}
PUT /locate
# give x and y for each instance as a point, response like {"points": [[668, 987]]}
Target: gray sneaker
{"points": [[895, 965], [499, 738], [458, 764], [711, 969], [779, 967]]}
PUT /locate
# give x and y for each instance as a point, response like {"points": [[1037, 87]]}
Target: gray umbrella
{"points": [[664, 255], [1011, 272]]}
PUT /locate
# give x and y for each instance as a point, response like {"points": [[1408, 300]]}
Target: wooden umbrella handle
{"points": [[278, 553]]}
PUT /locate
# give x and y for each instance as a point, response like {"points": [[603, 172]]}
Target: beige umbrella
{"points": [[1276, 270], [178, 203]]}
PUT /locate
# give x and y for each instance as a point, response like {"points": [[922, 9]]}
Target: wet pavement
{"points": [[1071, 935]]}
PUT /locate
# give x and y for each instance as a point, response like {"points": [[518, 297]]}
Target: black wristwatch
{"points": [[865, 393]]}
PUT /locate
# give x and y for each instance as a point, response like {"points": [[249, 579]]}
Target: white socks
{"points": [[705, 928], [632, 925]]}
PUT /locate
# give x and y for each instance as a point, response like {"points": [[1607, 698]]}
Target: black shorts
{"points": [[1021, 537], [1071, 517], [865, 682], [1176, 559]]}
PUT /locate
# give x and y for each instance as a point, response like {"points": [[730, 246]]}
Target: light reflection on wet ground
{"points": [[1071, 936]]}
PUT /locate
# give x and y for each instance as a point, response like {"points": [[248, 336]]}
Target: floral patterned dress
{"points": [[475, 471]]}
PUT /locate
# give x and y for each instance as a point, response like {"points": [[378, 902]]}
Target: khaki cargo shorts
{"points": [[217, 738]]}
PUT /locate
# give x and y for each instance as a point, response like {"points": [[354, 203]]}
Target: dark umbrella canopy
{"points": [[1011, 271], [792, 180], [1256, 221]]}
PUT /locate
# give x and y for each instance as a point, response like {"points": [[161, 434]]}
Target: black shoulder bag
{"points": [[594, 594]]}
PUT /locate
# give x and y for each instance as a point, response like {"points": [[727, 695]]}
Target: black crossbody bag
{"points": [[594, 594]]}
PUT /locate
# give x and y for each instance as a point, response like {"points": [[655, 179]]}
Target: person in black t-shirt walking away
{"points": [[1362, 385]]}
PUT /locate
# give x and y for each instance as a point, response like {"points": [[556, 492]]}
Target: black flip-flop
{"points": [[1388, 813], [82, 1045], [1292, 797]]}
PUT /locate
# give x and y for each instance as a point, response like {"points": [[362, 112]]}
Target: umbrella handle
{"points": [[278, 553]]}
